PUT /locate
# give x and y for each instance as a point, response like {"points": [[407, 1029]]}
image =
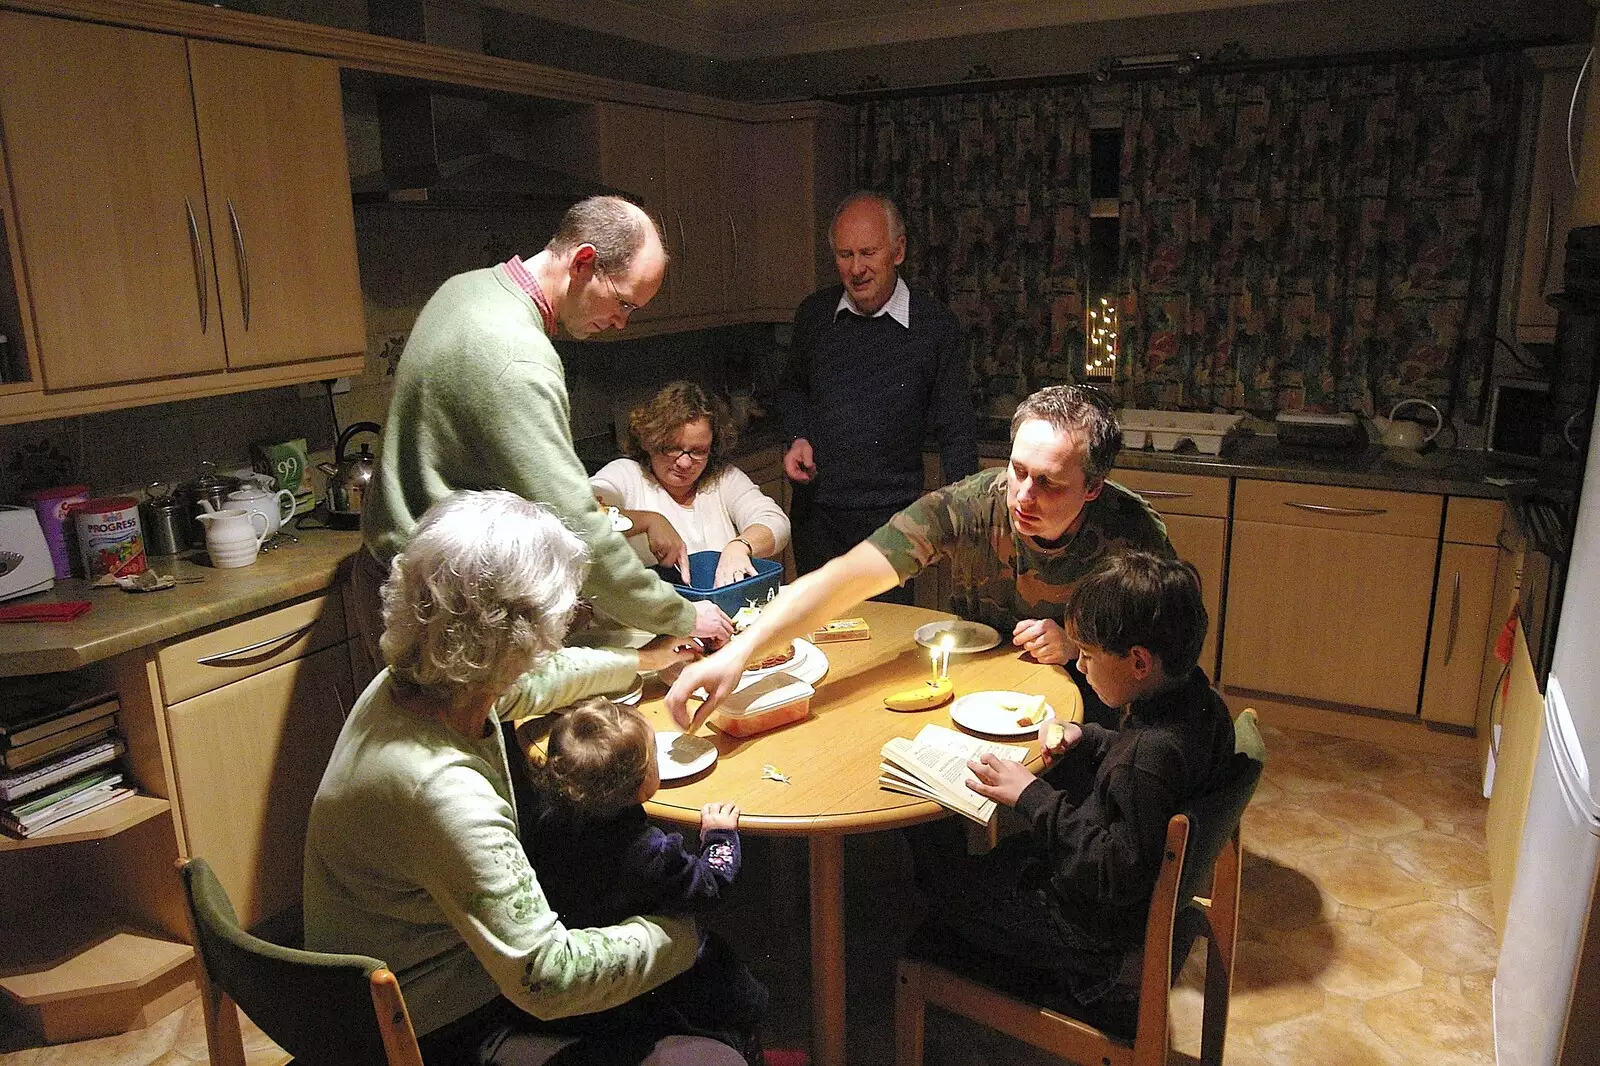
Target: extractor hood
{"points": [[437, 152], [437, 147]]}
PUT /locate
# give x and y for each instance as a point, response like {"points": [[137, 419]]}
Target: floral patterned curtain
{"points": [[1324, 239], [995, 191]]}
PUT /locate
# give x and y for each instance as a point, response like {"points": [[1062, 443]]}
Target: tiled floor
{"points": [[1366, 935]]}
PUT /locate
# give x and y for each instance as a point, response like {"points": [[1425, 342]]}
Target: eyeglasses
{"points": [[627, 308], [672, 455]]}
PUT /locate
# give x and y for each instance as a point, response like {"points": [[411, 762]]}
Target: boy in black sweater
{"points": [[1058, 913]]}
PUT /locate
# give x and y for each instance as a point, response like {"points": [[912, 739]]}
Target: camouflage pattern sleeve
{"points": [[931, 528]]}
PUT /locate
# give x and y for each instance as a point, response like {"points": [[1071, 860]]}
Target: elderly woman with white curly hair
{"points": [[412, 854]]}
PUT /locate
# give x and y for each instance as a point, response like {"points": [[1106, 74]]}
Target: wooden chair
{"points": [[1202, 853], [322, 1009]]}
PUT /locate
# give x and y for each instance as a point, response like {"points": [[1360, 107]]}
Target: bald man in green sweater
{"points": [[480, 401]]}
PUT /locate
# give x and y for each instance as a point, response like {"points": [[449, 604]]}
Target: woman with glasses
{"points": [[676, 486]]}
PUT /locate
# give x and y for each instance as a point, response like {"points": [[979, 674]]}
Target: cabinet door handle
{"points": [[1549, 245], [1572, 108], [1455, 619], [199, 265], [683, 242], [1348, 512], [221, 657], [733, 228], [1163, 494], [244, 262]]}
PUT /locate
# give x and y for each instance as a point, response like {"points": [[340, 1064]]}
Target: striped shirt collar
{"points": [[519, 273], [898, 307]]}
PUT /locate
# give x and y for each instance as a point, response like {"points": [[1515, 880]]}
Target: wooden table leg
{"points": [[827, 950]]}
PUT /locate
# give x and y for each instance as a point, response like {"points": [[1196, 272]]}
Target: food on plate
{"points": [[928, 694], [1031, 711], [743, 619]]}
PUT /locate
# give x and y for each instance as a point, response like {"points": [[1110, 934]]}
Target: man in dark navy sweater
{"points": [[875, 370]]}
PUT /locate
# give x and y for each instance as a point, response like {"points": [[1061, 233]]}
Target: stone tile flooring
{"points": [[1366, 932]]}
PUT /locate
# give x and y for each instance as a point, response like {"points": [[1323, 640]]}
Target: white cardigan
{"points": [[721, 510]]}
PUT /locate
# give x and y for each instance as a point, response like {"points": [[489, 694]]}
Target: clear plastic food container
{"points": [[773, 701]]}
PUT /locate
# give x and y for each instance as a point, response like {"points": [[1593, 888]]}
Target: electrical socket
{"points": [[314, 390]]}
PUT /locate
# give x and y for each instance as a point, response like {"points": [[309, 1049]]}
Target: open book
{"points": [[933, 766]]}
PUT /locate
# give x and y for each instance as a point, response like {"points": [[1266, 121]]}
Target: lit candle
{"points": [[933, 656]]}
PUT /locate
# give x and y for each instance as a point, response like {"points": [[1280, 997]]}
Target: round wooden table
{"points": [[831, 760]]}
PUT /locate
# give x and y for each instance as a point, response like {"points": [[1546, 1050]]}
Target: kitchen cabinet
{"points": [[181, 217], [669, 161], [744, 205], [796, 172], [1463, 597], [1551, 189], [1195, 510], [1329, 593], [282, 680]]}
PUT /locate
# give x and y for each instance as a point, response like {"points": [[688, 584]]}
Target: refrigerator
{"points": [[1547, 981]]}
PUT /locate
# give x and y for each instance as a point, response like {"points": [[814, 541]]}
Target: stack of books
{"points": [[58, 751]]}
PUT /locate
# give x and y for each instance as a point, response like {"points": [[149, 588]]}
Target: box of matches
{"points": [[842, 629]]}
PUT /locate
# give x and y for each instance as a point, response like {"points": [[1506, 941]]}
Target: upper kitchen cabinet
{"points": [[795, 171], [110, 202], [669, 161], [744, 205], [1552, 188], [180, 217], [278, 182]]}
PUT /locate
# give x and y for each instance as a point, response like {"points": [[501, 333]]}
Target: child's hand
{"points": [[1070, 734], [999, 779], [719, 816]]}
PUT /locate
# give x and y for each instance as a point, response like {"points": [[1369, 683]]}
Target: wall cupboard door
{"points": [[245, 802], [632, 147], [698, 225], [1329, 592], [110, 202], [785, 228], [1551, 194], [278, 182]]}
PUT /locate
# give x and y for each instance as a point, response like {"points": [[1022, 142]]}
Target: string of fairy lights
{"points": [[1104, 342]]}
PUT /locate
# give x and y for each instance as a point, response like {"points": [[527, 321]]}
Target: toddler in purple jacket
{"points": [[600, 860]]}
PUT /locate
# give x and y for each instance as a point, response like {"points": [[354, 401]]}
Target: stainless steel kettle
{"points": [[350, 477]]}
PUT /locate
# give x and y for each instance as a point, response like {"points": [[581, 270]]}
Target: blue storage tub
{"points": [[703, 575]]}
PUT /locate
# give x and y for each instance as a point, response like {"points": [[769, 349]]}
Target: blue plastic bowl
{"points": [[703, 575]]}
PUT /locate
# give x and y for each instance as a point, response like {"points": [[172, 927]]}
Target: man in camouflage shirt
{"points": [[1018, 540]]}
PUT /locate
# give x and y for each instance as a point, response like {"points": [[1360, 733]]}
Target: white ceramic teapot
{"points": [[276, 507], [1404, 433], [234, 536]]}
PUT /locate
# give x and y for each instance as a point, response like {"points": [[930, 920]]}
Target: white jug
{"points": [[275, 507], [231, 536]]}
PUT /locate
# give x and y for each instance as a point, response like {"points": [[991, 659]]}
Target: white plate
{"points": [[966, 637], [809, 664], [983, 712], [679, 756], [631, 697]]}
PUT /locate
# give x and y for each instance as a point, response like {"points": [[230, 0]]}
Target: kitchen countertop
{"points": [[122, 621]]}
